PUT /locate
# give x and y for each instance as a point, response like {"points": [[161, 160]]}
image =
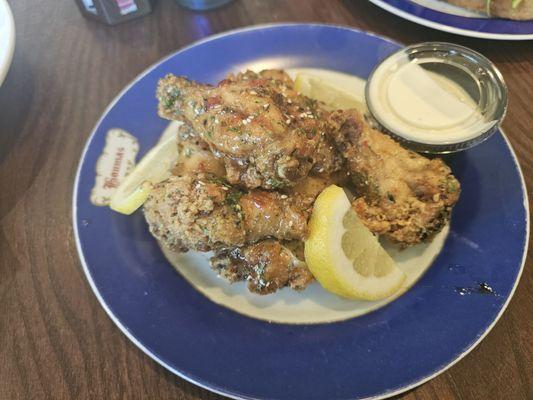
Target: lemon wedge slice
{"points": [[154, 167], [333, 97], [171, 131], [344, 256]]}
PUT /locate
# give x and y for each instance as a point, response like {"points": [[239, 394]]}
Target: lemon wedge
{"points": [[154, 167], [171, 131], [332, 96], [344, 256]]}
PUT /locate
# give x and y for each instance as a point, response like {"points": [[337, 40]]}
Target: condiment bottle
{"points": [[112, 12]]}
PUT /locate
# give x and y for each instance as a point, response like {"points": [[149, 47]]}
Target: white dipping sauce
{"points": [[423, 106]]}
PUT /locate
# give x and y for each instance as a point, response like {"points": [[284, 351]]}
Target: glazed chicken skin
{"points": [[267, 135], [201, 212], [194, 155], [267, 265], [400, 194], [270, 264]]}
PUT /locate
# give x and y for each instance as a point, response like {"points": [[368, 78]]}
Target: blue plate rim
{"points": [[223, 391], [448, 28]]}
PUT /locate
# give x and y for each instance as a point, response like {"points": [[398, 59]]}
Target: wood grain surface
{"points": [[56, 342]]}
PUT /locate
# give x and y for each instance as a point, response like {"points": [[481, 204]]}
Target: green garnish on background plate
{"points": [[514, 4]]}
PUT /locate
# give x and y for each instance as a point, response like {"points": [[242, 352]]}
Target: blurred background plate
{"points": [[7, 38], [439, 15]]}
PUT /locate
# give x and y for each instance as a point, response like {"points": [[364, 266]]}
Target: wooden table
{"points": [[55, 339]]}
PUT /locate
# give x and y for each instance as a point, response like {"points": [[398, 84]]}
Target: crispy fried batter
{"points": [[188, 212], [400, 194], [201, 212]]}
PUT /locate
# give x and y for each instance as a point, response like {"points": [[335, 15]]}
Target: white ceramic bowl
{"points": [[7, 38]]}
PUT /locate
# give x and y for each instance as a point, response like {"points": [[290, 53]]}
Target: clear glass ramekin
{"points": [[481, 84]]}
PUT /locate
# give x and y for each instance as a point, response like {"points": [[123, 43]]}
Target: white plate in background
{"points": [[7, 38]]}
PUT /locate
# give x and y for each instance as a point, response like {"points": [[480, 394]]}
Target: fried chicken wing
{"points": [[267, 266], [267, 135], [400, 194], [195, 156], [201, 212]]}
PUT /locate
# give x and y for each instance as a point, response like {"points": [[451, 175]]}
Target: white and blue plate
{"points": [[327, 354], [448, 18]]}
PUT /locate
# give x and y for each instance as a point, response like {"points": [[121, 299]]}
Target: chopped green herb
{"points": [[172, 96], [310, 102], [232, 198], [514, 4], [218, 180], [274, 183], [451, 185], [259, 269]]}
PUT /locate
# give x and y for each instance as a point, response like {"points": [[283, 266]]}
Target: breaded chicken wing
{"points": [[400, 194], [201, 212], [266, 134]]}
